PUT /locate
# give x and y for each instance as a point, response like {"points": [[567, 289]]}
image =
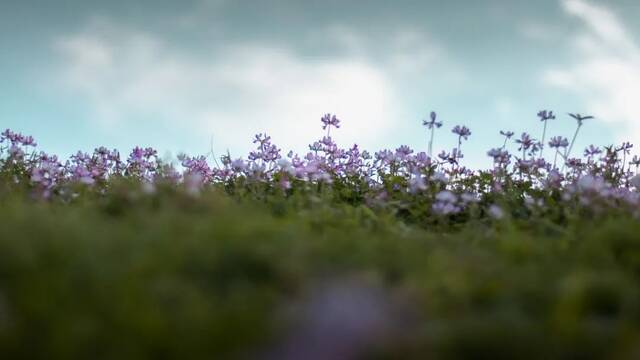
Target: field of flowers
{"points": [[333, 254]]}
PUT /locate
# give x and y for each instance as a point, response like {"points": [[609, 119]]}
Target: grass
{"points": [[169, 275]]}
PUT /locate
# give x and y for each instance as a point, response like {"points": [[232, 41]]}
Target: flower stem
{"points": [[566, 155], [544, 133], [431, 144]]}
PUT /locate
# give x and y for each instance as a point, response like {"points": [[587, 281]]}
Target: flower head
{"points": [[580, 118], [499, 155], [625, 147], [592, 151], [417, 182], [545, 115], [446, 203], [432, 123], [461, 131], [558, 142], [525, 141], [329, 120], [506, 134], [496, 212]]}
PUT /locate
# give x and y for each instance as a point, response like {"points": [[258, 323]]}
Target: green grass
{"points": [[173, 276]]}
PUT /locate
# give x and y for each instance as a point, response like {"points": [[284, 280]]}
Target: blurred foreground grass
{"points": [[174, 276]]}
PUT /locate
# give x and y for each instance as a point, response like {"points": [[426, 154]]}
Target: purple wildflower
{"points": [[328, 121], [545, 115], [461, 131], [557, 142], [430, 124], [580, 118]]}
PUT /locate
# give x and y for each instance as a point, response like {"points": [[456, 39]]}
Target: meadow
{"points": [[333, 254]]}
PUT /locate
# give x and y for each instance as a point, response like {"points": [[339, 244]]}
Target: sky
{"points": [[195, 75]]}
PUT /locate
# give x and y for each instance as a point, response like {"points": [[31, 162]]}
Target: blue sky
{"points": [[178, 74]]}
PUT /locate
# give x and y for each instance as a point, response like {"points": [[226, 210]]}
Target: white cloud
{"points": [[406, 50], [539, 31], [606, 70], [235, 90]]}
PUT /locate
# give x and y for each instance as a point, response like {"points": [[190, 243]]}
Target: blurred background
{"points": [[182, 75]]}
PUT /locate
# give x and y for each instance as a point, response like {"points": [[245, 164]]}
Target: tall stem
{"points": [[544, 133], [431, 143], [566, 155]]}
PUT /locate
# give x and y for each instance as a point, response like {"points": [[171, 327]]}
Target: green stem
{"points": [[566, 155], [431, 144], [544, 133]]}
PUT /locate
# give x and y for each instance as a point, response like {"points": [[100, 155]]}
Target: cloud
{"points": [[234, 91], [539, 31], [605, 70]]}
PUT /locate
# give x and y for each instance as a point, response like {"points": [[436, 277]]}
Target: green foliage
{"points": [[172, 275]]}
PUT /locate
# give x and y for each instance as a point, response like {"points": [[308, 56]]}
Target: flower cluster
{"points": [[15, 144], [605, 177]]}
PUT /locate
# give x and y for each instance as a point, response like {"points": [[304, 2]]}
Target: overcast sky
{"points": [[77, 74]]}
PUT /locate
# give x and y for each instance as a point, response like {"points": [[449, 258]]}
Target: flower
{"points": [[496, 212], [329, 120], [417, 183], [625, 147], [285, 166], [525, 141], [446, 196], [591, 183], [433, 123], [580, 118], [440, 177], [507, 134], [445, 203], [196, 168], [558, 142], [403, 151], [499, 155], [265, 151], [545, 115], [591, 151], [468, 198], [238, 165], [461, 131]]}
